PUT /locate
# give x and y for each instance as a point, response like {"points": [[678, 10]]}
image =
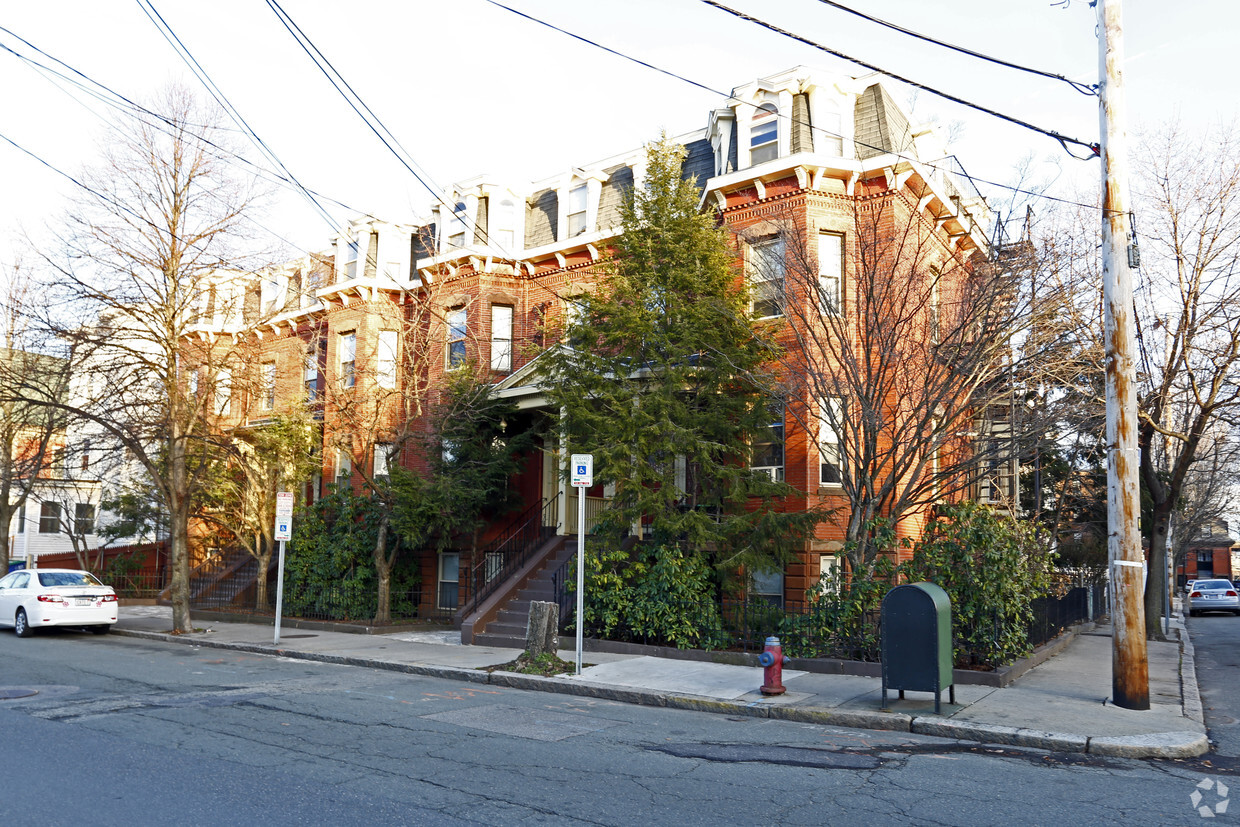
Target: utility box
{"points": [[917, 641]]}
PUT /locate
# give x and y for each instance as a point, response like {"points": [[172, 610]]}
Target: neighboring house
{"points": [[1208, 554], [492, 277], [54, 472]]}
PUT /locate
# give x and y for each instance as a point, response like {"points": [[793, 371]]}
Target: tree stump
{"points": [[542, 632]]}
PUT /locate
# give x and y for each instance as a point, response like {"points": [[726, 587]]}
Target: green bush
{"points": [[329, 569], [992, 567]]}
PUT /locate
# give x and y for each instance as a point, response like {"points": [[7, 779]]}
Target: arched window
{"points": [[764, 134]]}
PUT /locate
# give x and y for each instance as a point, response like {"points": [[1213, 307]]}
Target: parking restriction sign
{"points": [[284, 515], [583, 470]]}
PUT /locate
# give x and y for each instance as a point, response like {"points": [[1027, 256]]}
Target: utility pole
{"points": [[1130, 674]]}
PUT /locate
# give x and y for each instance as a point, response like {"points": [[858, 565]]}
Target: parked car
{"points": [[1213, 596], [34, 598]]}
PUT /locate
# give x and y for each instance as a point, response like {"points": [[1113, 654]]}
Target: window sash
{"points": [[223, 392], [501, 338], [764, 134], [457, 325], [49, 518], [767, 448], [83, 519], [830, 459], [578, 198], [385, 367], [348, 359], [383, 459], [767, 266], [830, 272], [269, 386]]}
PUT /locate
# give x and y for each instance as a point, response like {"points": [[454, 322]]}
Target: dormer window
{"points": [[505, 223], [578, 198], [456, 226], [350, 262], [764, 134]]}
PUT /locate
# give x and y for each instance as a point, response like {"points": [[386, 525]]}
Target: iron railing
{"points": [[821, 628], [144, 585], [498, 560]]}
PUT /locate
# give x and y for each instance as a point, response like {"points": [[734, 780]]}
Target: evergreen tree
{"points": [[664, 378]]}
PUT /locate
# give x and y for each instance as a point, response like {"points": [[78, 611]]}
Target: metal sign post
{"points": [[582, 478], [284, 532]]}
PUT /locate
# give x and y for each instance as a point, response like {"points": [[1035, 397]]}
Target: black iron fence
{"points": [[1052, 615], [821, 628], [138, 585]]}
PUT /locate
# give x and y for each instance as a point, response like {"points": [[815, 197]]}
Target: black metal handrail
{"points": [[498, 560]]}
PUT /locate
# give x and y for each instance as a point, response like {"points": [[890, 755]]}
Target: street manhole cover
{"points": [[14, 694]]}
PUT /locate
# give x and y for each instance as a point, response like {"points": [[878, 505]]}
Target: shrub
{"points": [[992, 568]]}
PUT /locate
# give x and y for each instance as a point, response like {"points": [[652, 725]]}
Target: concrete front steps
{"points": [[508, 627]]}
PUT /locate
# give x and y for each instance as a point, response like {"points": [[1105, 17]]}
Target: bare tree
{"points": [[1188, 317], [148, 250], [902, 361]]}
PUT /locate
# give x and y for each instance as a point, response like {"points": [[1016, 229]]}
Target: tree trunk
{"points": [[178, 529], [383, 568], [1156, 582], [260, 578]]}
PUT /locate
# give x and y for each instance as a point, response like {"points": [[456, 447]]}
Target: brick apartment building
{"points": [[790, 163]]}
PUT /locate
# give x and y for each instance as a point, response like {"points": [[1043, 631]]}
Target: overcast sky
{"points": [[470, 88]]}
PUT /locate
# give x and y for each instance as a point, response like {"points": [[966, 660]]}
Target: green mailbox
{"points": [[917, 641]]}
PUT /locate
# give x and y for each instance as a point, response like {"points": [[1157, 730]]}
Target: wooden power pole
{"points": [[1130, 675]]}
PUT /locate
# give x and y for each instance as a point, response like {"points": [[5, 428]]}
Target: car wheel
{"points": [[1192, 612], [101, 630], [21, 625]]}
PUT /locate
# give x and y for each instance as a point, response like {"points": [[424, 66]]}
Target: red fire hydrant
{"points": [[773, 661]]}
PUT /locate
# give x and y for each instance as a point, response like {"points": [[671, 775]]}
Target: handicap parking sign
{"points": [[583, 470]]}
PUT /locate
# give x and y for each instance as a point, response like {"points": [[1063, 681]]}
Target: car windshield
{"points": [[67, 578], [1212, 584]]}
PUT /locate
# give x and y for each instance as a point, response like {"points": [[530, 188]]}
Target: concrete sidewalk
{"points": [[1059, 705]]}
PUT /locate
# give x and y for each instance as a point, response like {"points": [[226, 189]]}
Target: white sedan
{"points": [[1213, 596], [32, 598]]}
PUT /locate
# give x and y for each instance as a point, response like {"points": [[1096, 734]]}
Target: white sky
{"points": [[469, 88]]}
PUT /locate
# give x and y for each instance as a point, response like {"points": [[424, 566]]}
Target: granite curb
{"points": [[1154, 745]]}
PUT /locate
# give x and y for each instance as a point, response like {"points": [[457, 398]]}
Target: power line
{"points": [[110, 97], [363, 111], [1063, 140], [183, 52], [1083, 88], [712, 90]]}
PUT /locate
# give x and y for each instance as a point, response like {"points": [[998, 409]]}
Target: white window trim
{"points": [[830, 272], [347, 358], [501, 337], [829, 440], [760, 274], [453, 339], [386, 359]]}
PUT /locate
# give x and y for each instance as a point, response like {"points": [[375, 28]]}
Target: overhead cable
{"points": [[368, 116], [183, 52], [929, 164], [1083, 88], [1093, 148]]}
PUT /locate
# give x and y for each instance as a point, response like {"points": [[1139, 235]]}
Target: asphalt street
{"points": [[1216, 639], [130, 731]]}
